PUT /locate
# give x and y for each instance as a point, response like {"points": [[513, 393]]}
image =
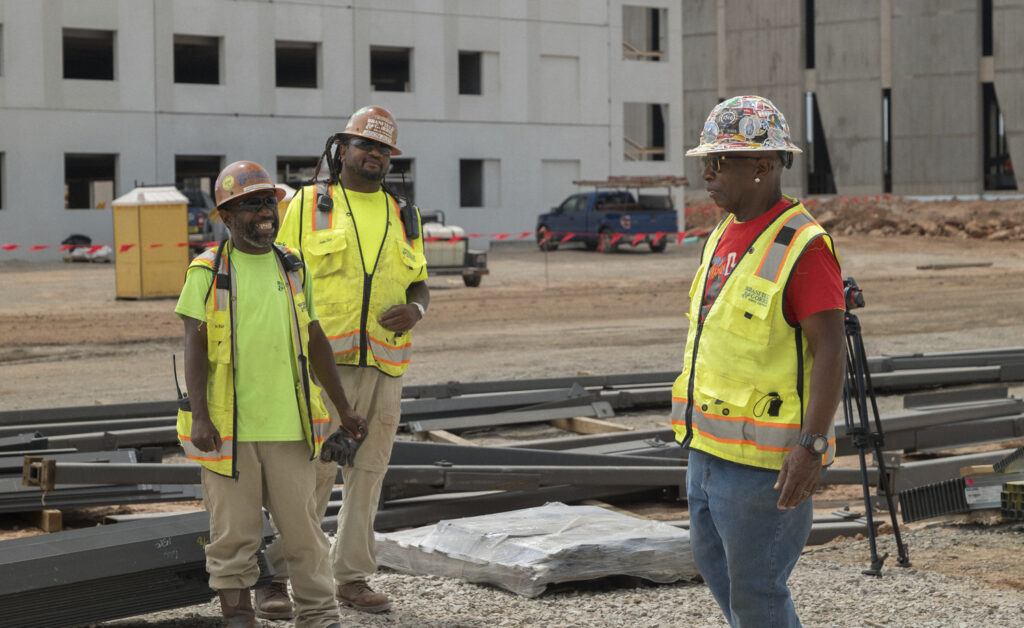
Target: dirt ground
{"points": [[66, 341]]}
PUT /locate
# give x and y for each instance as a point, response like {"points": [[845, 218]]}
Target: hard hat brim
{"points": [[706, 149], [394, 149], [279, 192]]}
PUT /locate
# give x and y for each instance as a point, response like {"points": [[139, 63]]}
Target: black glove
{"points": [[340, 447]]}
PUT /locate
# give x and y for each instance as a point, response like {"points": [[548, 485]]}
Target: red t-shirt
{"points": [[816, 284]]}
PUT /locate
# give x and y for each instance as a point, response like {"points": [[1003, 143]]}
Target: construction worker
{"points": [[257, 420], [366, 253], [763, 368]]}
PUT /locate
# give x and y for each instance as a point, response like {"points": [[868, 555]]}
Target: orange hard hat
{"points": [[375, 123], [242, 179]]}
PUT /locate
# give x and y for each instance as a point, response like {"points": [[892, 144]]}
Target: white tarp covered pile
{"points": [[523, 551]]}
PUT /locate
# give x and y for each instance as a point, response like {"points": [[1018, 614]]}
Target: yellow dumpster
{"points": [[150, 242]]}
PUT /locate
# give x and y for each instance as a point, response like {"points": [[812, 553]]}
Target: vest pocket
{"points": [[412, 260], [218, 332], [325, 250], [722, 392], [747, 309]]}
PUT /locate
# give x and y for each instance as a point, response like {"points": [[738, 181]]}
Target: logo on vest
{"points": [[757, 297]]}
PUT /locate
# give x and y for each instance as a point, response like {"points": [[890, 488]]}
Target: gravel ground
{"points": [[827, 585], [568, 312]]}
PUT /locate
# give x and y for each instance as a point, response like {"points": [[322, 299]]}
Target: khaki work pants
{"points": [[281, 476], [378, 398]]}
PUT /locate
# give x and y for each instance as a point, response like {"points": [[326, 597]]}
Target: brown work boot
{"points": [[361, 597], [236, 606], [272, 602]]}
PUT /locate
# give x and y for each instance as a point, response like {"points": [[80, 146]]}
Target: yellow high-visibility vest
{"points": [[220, 383], [747, 371], [349, 298]]}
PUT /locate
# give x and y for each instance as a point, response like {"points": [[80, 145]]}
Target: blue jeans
{"points": [[743, 545]]}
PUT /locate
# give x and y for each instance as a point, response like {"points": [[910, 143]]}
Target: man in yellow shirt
{"points": [[366, 253], [256, 420]]}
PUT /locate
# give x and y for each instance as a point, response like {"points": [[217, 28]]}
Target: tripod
{"points": [[857, 391]]}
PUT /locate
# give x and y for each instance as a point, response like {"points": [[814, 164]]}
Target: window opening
{"points": [[390, 69], [999, 173], [470, 74], [887, 140], [643, 33], [88, 54], [402, 167], [471, 183], [295, 64], [89, 180], [819, 166], [297, 171], [197, 172], [196, 59], [645, 136]]}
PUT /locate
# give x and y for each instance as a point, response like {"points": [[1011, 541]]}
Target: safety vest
{"points": [[221, 318], [747, 370], [350, 298]]}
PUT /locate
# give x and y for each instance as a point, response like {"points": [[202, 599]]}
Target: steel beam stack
{"points": [[107, 572]]}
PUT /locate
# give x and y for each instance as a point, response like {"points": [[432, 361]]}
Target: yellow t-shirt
{"points": [[265, 374], [370, 214]]}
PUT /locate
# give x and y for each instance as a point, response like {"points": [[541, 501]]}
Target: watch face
{"points": [[815, 443]]}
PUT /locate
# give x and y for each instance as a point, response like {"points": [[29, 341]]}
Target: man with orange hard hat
{"points": [[255, 358], [366, 252]]}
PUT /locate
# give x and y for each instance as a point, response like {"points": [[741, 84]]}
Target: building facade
{"points": [[908, 97], [501, 104]]}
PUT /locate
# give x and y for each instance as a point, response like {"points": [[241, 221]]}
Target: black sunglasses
{"points": [[367, 145], [715, 161], [254, 204]]}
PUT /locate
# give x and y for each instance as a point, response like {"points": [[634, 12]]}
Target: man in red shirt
{"points": [[763, 369]]}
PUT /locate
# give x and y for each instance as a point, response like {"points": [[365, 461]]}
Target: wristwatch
{"points": [[419, 306], [817, 444]]}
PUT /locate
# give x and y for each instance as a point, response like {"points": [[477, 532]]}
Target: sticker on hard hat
{"points": [[257, 186], [379, 129], [229, 182]]}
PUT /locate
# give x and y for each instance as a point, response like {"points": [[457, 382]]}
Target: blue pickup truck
{"points": [[608, 218]]}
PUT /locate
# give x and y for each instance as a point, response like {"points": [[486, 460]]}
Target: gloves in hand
{"points": [[340, 447]]}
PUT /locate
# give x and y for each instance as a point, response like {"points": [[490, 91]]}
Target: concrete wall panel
{"points": [[848, 88], [936, 110], [700, 80], [764, 43]]}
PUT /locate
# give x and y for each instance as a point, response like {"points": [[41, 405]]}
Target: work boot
{"points": [[236, 606], [272, 602], [361, 597]]}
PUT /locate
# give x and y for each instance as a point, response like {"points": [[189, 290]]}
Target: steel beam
{"points": [[910, 474], [420, 453], [108, 572], [90, 413], [563, 443], [490, 477], [598, 409], [455, 389], [950, 397]]}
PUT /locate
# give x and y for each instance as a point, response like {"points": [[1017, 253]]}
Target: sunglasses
{"points": [[255, 204], [715, 161], [367, 145]]}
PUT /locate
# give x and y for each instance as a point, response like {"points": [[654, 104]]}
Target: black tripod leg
{"points": [[883, 473]]}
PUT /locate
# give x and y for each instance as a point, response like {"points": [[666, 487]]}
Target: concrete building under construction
{"points": [[500, 104]]}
